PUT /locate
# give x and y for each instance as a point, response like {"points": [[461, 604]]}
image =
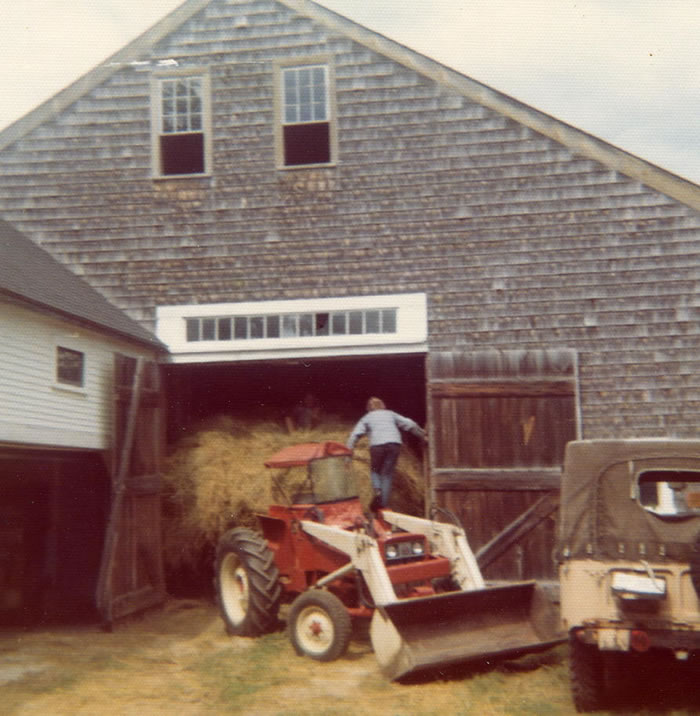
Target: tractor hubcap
{"points": [[315, 630], [234, 588]]}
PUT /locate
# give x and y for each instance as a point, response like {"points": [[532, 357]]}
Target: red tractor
{"points": [[416, 578]]}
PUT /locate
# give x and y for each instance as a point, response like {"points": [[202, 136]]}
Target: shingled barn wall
{"points": [[518, 241]]}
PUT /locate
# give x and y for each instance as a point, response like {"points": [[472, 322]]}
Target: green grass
{"points": [[234, 675]]}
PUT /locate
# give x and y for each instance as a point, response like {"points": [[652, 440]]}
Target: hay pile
{"points": [[215, 479]]}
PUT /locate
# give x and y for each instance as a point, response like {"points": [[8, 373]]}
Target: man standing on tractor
{"points": [[383, 428]]}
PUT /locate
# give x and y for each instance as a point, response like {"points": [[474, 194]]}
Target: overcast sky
{"points": [[627, 71]]}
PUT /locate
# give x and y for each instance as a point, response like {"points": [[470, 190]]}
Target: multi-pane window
{"points": [[70, 366], [306, 115], [292, 325], [181, 125]]}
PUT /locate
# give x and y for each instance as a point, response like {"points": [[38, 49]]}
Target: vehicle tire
{"points": [[319, 625], [587, 674], [247, 583]]}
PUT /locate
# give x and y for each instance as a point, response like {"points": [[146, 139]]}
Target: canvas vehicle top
{"points": [[638, 499]]}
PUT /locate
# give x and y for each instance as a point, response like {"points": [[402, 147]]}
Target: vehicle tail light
{"points": [[639, 640]]}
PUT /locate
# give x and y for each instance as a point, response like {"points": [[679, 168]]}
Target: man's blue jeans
{"points": [[383, 460]]}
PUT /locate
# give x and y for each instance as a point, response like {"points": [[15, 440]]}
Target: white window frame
{"points": [[330, 107], [157, 81], [410, 336], [57, 384]]}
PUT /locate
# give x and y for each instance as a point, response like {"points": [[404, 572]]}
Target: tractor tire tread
{"points": [[263, 581]]}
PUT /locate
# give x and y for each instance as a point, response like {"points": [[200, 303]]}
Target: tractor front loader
{"points": [[417, 579]]}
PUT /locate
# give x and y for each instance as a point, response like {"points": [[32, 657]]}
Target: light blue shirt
{"points": [[381, 427]]}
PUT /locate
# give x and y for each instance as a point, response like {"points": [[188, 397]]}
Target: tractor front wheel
{"points": [[247, 583], [319, 625]]}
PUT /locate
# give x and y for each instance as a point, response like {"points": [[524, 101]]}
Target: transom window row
{"points": [[292, 325]]}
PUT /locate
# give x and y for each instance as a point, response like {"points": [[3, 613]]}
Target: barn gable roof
{"points": [[29, 275], [575, 139]]}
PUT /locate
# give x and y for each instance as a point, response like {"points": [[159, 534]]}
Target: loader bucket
{"points": [[421, 634]]}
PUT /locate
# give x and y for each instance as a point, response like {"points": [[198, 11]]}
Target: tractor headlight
{"points": [[417, 548], [392, 551]]}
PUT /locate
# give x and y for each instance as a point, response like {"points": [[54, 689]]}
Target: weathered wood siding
{"points": [[498, 423], [496, 410], [34, 408], [131, 573], [518, 241]]}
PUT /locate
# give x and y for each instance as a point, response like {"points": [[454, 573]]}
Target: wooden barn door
{"points": [[498, 422], [131, 573]]}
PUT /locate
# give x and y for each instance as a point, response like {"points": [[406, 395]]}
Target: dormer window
{"points": [[306, 115], [181, 141]]}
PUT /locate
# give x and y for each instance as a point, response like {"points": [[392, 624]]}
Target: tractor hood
{"points": [[302, 454], [601, 515]]}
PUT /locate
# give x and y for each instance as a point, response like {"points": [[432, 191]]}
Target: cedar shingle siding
{"points": [[518, 241]]}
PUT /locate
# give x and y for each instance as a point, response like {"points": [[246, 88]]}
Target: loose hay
{"points": [[215, 479]]}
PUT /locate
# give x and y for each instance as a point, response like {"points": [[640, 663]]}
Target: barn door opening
{"points": [[52, 520], [499, 422], [131, 572]]}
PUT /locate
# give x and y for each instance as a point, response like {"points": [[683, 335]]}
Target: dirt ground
{"points": [[179, 660]]}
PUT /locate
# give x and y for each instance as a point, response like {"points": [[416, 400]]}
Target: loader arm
{"points": [[446, 541], [364, 555]]}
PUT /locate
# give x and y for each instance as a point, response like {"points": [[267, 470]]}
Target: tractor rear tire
{"points": [[319, 625], [247, 583], [587, 674]]}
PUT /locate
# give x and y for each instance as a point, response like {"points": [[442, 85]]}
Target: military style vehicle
{"points": [[629, 559]]}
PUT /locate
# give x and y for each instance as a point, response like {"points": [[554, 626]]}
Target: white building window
{"points": [[291, 325], [306, 115], [181, 125], [70, 367], [358, 325]]}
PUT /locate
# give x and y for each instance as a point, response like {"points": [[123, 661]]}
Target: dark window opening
{"points": [[307, 144], [306, 324], [257, 327], [389, 320], [372, 322], [224, 329], [339, 323], [670, 492], [355, 322], [208, 329], [321, 324], [70, 366], [240, 327], [192, 329], [273, 326], [182, 154]]}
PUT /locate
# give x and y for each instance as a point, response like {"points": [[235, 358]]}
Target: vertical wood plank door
{"points": [[131, 574], [498, 425]]}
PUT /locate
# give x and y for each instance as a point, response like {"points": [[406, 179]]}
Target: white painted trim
{"points": [[411, 330]]}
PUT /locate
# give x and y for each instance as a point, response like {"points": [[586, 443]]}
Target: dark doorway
{"points": [[267, 390], [52, 521]]}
